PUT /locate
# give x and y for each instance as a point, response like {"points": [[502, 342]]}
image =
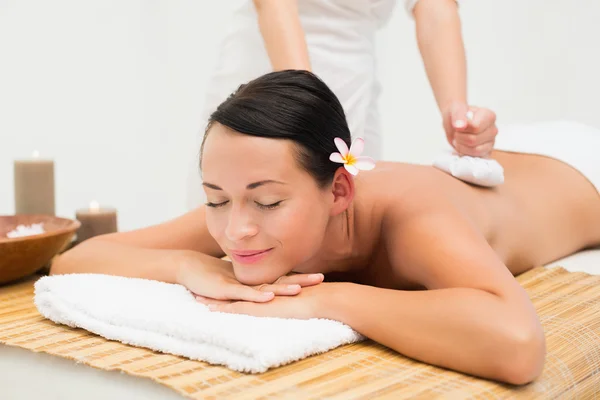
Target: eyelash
{"points": [[216, 205], [263, 206], [268, 206]]}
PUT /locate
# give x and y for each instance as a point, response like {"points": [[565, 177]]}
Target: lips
{"points": [[246, 253], [249, 256]]}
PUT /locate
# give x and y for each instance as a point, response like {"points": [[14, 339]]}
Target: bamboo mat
{"points": [[568, 304]]}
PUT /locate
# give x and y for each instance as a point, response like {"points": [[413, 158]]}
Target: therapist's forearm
{"points": [[282, 34], [463, 329], [441, 45]]}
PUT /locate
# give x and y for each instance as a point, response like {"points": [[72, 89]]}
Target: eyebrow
{"points": [[248, 187]]}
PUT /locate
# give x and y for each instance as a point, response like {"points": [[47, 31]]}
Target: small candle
{"points": [[34, 186], [95, 221]]}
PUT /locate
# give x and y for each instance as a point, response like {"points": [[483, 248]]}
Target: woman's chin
{"points": [[253, 277]]}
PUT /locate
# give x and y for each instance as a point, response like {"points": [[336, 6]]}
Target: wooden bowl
{"points": [[22, 256]]}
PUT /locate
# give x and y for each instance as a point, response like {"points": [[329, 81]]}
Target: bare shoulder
{"points": [[434, 243], [404, 189], [186, 232]]}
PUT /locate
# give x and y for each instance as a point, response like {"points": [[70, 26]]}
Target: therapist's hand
{"points": [[471, 131]]}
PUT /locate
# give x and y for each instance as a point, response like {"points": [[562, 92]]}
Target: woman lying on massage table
{"points": [[412, 257]]}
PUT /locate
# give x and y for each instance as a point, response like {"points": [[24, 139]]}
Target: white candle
{"points": [[34, 186], [95, 220]]}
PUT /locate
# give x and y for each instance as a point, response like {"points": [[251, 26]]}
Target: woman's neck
{"points": [[345, 248]]}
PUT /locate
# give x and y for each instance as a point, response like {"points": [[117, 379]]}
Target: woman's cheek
{"points": [[216, 227], [212, 225]]}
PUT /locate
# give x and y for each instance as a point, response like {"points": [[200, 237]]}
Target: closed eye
{"points": [[216, 205], [269, 206]]}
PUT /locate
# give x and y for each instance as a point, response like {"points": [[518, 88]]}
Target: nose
{"points": [[240, 225]]}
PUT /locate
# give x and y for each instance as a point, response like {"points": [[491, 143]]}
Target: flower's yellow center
{"points": [[350, 159]]}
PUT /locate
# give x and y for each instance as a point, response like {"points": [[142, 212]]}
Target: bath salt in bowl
{"points": [[23, 230], [29, 242]]}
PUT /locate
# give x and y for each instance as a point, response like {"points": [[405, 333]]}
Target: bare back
{"points": [[543, 211], [546, 211]]}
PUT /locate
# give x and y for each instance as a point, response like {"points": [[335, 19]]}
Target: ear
{"points": [[342, 189]]}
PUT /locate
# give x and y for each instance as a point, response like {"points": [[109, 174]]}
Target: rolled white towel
{"points": [[476, 170], [479, 171]]}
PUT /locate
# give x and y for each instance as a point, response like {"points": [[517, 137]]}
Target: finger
{"points": [[302, 279], [476, 139], [208, 300], [476, 151], [247, 293], [469, 116], [280, 289], [200, 298], [481, 121], [459, 116], [485, 149]]}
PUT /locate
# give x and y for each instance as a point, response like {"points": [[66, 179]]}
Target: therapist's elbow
{"points": [[525, 354], [438, 11], [263, 4]]}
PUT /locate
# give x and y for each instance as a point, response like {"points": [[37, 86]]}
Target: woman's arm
{"points": [[475, 317], [441, 45], [156, 252], [282, 33]]}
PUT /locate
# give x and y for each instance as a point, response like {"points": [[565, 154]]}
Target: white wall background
{"points": [[112, 90]]}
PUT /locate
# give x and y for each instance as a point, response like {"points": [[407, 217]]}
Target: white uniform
{"points": [[340, 35]]}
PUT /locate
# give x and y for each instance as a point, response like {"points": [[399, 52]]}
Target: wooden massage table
{"points": [[40, 359]]}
